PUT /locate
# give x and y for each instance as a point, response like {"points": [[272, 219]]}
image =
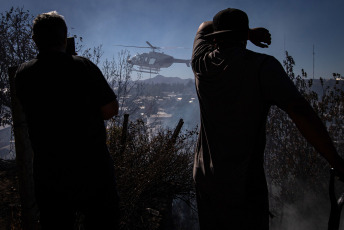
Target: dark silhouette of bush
{"points": [[153, 167]]}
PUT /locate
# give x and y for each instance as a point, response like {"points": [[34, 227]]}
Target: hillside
{"points": [[159, 79]]}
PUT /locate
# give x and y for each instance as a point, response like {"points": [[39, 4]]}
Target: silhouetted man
{"points": [[66, 99], [236, 88]]}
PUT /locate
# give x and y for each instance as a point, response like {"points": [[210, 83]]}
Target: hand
{"points": [[259, 36]]}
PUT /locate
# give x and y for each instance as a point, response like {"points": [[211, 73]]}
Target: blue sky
{"points": [[295, 26]]}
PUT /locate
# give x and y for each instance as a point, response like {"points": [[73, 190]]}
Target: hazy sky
{"points": [[295, 25]]}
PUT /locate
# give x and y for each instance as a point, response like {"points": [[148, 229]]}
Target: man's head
{"points": [[230, 25], [50, 31]]}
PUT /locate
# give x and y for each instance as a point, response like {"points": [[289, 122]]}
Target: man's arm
{"points": [[201, 44], [102, 93], [259, 36], [202, 59], [109, 110], [278, 89], [206, 28], [315, 132]]}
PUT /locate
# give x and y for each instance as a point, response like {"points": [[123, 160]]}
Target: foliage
{"points": [[152, 170], [16, 47], [93, 54], [291, 162], [129, 91]]}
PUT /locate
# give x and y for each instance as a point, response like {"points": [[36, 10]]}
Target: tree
{"points": [[93, 54], [16, 47]]}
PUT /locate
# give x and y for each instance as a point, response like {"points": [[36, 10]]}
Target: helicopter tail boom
{"points": [[187, 62]]}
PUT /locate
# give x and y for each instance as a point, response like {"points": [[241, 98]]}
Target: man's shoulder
{"points": [[28, 64], [264, 61], [82, 61], [258, 56], [26, 67], [31, 64]]}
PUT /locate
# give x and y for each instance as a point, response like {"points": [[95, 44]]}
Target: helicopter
{"points": [[153, 61]]}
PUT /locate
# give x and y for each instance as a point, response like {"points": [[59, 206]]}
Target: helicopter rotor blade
{"points": [[151, 46], [154, 47], [173, 47], [145, 47]]}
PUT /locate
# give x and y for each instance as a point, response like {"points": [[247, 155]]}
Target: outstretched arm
{"points": [[315, 132], [278, 89], [260, 36]]}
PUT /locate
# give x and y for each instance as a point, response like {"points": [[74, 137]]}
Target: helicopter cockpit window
{"points": [[152, 61]]}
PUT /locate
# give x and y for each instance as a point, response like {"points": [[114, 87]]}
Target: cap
{"points": [[230, 23]]}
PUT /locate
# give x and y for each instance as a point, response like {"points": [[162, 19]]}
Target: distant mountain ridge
{"points": [[160, 79], [316, 86]]}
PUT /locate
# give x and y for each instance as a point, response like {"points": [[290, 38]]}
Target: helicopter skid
{"points": [[147, 71]]}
